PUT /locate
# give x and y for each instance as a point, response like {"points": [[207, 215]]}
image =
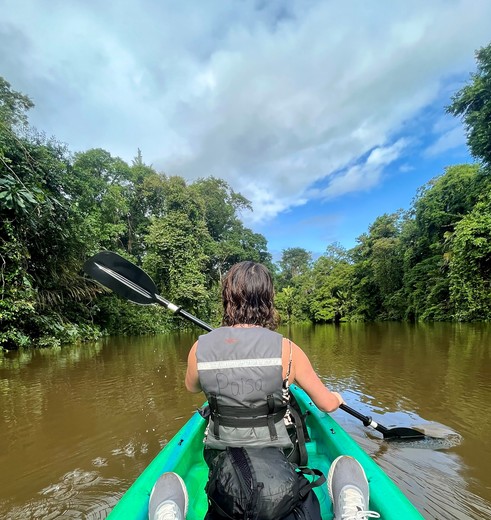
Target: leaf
{"points": [[28, 196]]}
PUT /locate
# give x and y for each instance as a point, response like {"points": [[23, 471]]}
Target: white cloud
{"points": [[451, 139], [366, 174], [449, 134], [275, 97]]}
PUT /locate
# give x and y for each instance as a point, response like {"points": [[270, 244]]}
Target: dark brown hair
{"points": [[248, 296]]}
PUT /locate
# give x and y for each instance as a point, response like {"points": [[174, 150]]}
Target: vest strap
{"points": [[266, 415], [215, 415], [272, 428], [248, 422], [254, 413], [300, 441]]}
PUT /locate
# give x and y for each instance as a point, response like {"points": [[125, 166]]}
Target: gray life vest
{"points": [[240, 371]]}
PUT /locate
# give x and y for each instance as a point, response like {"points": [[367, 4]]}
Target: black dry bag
{"points": [[256, 484]]}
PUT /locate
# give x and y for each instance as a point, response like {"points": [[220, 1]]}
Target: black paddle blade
{"points": [[121, 276], [402, 433], [388, 433]]}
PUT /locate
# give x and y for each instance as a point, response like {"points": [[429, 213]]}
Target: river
{"points": [[79, 423]]}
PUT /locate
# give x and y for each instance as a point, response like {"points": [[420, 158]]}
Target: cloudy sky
{"points": [[325, 114]]}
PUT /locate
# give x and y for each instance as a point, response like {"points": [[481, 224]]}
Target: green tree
{"points": [[176, 248], [331, 295], [13, 106], [378, 271], [222, 205], [437, 210], [231, 241], [40, 244], [100, 185], [146, 200], [470, 264], [285, 303], [473, 104], [294, 262]]}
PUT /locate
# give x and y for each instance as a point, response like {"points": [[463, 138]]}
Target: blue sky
{"points": [[325, 114]]}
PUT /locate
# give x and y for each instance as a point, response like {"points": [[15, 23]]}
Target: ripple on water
{"points": [[131, 449], [79, 494], [433, 480], [99, 462], [433, 441]]}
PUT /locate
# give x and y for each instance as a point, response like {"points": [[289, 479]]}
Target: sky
{"points": [[324, 114]]}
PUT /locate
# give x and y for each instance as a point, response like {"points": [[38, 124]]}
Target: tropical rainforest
{"points": [[429, 262]]}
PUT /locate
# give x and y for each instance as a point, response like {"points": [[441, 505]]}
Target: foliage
{"points": [[120, 318], [176, 256], [378, 270], [13, 106], [331, 298], [294, 262], [473, 104], [285, 303], [58, 209], [470, 264]]}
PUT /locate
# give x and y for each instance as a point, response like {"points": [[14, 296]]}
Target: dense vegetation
{"points": [[57, 209], [431, 262]]}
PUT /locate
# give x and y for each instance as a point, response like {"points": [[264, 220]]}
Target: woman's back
{"points": [[240, 371]]}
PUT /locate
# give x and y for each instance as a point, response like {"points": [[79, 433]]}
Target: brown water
{"points": [[78, 424]]}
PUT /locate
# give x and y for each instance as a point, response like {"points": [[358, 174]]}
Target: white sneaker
{"points": [[348, 489], [168, 511], [168, 499]]}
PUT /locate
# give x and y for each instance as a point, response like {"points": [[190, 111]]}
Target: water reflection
{"points": [[79, 424], [404, 375]]}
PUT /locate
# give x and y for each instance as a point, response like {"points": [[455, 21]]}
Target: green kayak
{"points": [[183, 454]]}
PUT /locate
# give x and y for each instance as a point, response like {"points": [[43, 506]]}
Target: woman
{"points": [[244, 361], [244, 368]]}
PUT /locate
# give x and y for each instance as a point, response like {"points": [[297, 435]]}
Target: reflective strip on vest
{"points": [[238, 363]]}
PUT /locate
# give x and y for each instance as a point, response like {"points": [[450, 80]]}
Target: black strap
{"points": [[300, 441], [265, 415], [272, 428], [215, 415], [217, 509], [309, 485], [293, 404], [249, 422], [259, 411]]}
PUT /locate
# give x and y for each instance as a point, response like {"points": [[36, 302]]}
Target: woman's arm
{"points": [[304, 375], [192, 379]]}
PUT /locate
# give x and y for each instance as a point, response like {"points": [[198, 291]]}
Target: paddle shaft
{"points": [[180, 312], [365, 419]]}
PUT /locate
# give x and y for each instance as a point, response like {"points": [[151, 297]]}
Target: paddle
{"points": [[132, 283], [388, 433]]}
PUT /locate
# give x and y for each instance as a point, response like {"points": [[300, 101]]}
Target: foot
{"points": [[169, 498], [348, 489]]}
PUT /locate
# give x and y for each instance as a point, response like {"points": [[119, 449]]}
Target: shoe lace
{"points": [[353, 507], [168, 511]]}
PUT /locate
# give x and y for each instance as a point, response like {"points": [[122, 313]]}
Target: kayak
{"points": [[184, 455]]}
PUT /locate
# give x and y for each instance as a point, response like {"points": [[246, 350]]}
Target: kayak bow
{"points": [[183, 454]]}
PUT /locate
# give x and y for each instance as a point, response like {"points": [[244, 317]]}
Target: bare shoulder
{"points": [[299, 359], [297, 352], [192, 378], [192, 352]]}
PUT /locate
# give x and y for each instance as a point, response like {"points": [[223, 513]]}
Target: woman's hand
{"points": [[339, 397]]}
